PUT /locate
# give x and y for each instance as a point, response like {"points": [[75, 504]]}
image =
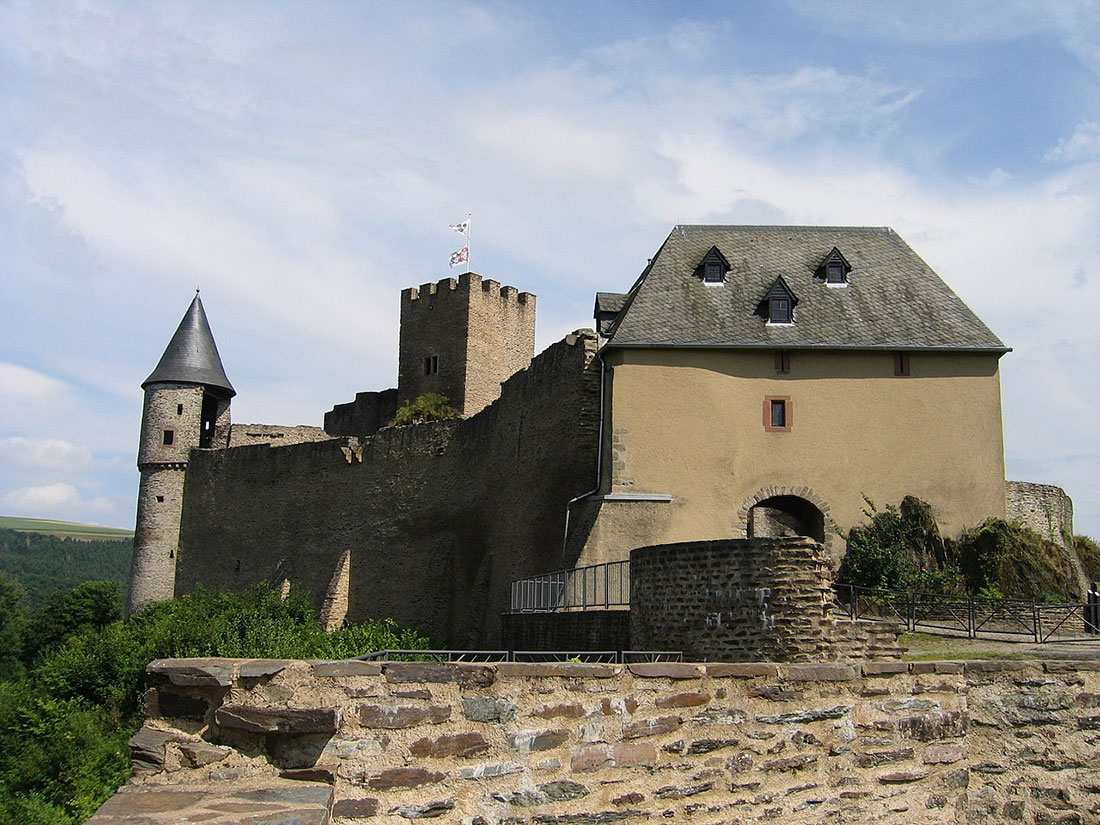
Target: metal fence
{"points": [[973, 616], [598, 587], [585, 656]]}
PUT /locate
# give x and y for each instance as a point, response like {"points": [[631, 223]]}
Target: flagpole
{"points": [[469, 220]]}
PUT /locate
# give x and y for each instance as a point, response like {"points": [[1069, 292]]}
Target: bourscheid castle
{"points": [[753, 382]]}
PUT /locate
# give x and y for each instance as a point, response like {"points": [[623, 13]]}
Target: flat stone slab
{"points": [[274, 802]]}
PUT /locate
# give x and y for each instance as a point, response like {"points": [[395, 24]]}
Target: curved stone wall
{"points": [[734, 600]]}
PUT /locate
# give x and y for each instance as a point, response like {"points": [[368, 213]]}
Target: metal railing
{"points": [[598, 587], [974, 616], [618, 657]]}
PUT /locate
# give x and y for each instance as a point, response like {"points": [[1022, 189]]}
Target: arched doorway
{"points": [[785, 515]]}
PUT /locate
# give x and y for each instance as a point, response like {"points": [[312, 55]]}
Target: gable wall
{"points": [[689, 422]]}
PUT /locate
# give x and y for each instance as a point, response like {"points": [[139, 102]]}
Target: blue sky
{"points": [[300, 163]]}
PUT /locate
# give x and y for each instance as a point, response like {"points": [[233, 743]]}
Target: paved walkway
{"points": [[277, 802]]}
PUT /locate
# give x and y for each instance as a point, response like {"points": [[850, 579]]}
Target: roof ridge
{"points": [[783, 226]]}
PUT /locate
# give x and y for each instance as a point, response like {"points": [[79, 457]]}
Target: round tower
{"points": [[186, 407]]}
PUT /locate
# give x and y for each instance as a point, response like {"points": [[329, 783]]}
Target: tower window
{"points": [[160, 499], [834, 273], [179, 409], [712, 273], [778, 413], [431, 365], [168, 438]]}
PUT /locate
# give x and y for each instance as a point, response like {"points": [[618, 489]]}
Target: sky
{"points": [[300, 163]]}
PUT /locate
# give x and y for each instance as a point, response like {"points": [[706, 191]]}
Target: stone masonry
{"points": [[737, 599], [550, 744]]}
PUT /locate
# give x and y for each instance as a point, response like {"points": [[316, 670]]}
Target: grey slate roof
{"points": [[893, 301], [192, 356]]}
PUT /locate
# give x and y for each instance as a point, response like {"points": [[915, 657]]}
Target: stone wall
{"points": [[1048, 511], [896, 743], [734, 599], [242, 435], [369, 412], [567, 631], [439, 518]]}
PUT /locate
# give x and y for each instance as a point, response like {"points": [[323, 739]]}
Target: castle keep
{"points": [[753, 382]]}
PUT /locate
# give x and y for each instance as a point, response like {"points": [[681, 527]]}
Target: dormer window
{"points": [[834, 269], [713, 268], [777, 305]]}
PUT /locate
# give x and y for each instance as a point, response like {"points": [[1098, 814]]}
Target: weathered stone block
{"points": [[401, 778], [201, 672], [197, 754], [622, 755], [571, 670], [345, 668], [466, 675], [570, 711], [701, 746], [462, 745], [147, 748], [682, 700], [651, 727], [392, 718], [743, 670], [817, 673], [548, 792], [872, 759], [262, 668], [526, 741], [810, 715], [666, 670], [428, 810], [487, 709], [902, 777], [356, 808], [883, 668], [489, 770], [943, 754], [682, 791], [290, 721]]}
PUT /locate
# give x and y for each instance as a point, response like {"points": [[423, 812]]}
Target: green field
{"points": [[63, 529]]}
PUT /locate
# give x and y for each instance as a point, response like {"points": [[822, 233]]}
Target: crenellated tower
{"points": [[463, 337], [186, 407]]}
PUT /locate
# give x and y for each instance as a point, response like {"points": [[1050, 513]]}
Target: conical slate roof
{"points": [[192, 356]]}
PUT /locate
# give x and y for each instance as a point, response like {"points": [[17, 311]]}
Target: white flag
{"points": [[461, 228], [461, 256]]}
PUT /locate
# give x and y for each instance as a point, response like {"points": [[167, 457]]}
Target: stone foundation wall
{"points": [[735, 600], [887, 742], [567, 631]]}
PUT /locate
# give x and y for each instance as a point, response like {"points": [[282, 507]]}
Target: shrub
{"points": [[1088, 551], [431, 406], [1016, 561], [899, 549]]}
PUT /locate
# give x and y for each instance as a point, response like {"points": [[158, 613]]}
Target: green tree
{"points": [[13, 622], [91, 604], [431, 406]]}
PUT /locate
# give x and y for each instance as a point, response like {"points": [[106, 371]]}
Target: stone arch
{"points": [[787, 499]]}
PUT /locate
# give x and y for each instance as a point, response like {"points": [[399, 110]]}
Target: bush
{"points": [[899, 549], [431, 406], [1088, 551], [1016, 561], [64, 726]]}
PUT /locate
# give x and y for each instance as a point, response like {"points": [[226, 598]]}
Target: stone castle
{"points": [[753, 382]]}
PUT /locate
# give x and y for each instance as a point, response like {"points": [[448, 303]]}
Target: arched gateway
{"points": [[774, 512]]}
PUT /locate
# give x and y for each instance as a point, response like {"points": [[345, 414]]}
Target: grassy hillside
{"points": [[48, 563], [63, 529]]}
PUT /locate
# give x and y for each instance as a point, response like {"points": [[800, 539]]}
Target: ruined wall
{"points": [[1044, 508], [1048, 511], [734, 600], [241, 435], [897, 743], [368, 413], [439, 518]]}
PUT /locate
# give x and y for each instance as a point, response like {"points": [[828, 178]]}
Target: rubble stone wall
{"points": [[889, 742]]}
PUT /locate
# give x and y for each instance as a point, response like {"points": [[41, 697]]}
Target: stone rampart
{"points": [[242, 435], [368, 413], [736, 599], [439, 518], [889, 742], [1048, 511]]}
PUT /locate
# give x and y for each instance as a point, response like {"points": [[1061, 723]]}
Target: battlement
{"points": [[465, 284]]}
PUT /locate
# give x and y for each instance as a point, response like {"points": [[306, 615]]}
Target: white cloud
{"points": [[21, 384], [44, 453], [1082, 145]]}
